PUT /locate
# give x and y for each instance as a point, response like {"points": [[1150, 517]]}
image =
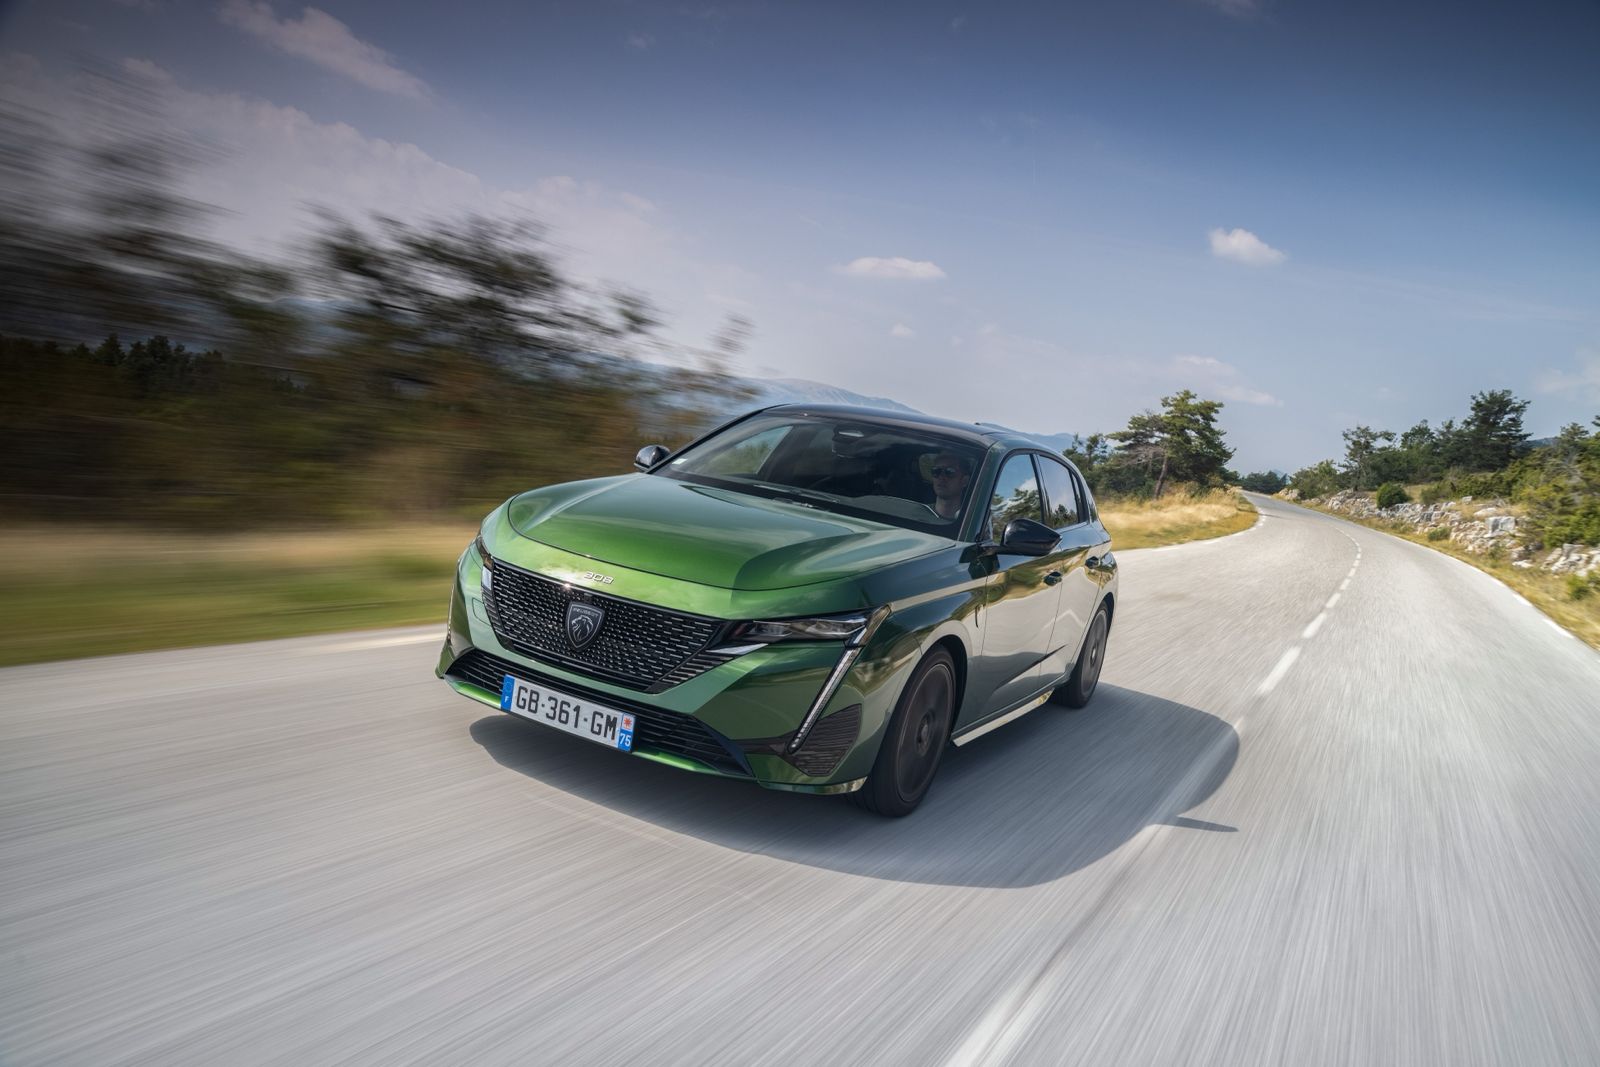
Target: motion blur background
{"points": [[289, 297]]}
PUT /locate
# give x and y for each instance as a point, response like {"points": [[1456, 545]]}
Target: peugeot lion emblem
{"points": [[583, 624]]}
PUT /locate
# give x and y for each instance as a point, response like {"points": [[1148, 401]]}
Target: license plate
{"points": [[593, 722]]}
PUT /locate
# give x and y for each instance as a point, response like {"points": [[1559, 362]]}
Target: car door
{"points": [[1020, 605], [1067, 512]]}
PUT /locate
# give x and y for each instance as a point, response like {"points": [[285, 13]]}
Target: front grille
{"points": [[665, 731], [638, 646]]}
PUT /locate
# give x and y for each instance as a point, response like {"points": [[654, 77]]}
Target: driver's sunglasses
{"points": [[945, 472]]}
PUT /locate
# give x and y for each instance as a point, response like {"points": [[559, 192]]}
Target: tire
{"points": [[914, 743], [1080, 684]]}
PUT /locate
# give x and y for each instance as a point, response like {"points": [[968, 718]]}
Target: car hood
{"points": [[707, 535]]}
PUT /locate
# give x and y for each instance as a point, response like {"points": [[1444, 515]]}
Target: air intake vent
{"points": [[664, 731]]}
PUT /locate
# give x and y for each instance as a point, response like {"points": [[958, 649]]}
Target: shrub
{"points": [[1319, 480], [1392, 493], [1439, 533], [1577, 588]]}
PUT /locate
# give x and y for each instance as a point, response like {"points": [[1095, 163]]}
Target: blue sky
{"points": [[1044, 215]]}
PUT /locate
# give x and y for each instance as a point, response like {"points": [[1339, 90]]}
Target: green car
{"points": [[818, 599]]}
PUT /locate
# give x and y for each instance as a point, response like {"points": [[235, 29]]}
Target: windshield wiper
{"points": [[799, 496]]}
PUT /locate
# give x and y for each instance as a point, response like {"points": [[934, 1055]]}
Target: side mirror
{"points": [[1025, 537], [650, 456]]}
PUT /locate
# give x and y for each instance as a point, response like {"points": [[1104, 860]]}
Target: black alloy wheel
{"points": [[915, 740], [1085, 675]]}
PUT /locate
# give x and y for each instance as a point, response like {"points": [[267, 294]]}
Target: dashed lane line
{"points": [[1281, 668]]}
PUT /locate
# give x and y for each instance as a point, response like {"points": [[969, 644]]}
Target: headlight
{"points": [[853, 629]]}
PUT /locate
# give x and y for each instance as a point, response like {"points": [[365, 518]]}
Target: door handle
{"points": [[1052, 578]]}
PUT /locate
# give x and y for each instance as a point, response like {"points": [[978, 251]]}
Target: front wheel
{"points": [[916, 737], [1079, 687]]}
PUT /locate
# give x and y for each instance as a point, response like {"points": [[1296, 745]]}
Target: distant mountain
{"points": [[1056, 442], [803, 391]]}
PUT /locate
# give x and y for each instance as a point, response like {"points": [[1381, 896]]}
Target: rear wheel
{"points": [[912, 746], [1079, 687]]}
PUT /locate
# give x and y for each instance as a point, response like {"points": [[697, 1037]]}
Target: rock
{"points": [[1502, 524], [1522, 564]]}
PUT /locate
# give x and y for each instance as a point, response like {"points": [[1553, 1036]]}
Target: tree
{"points": [[1360, 444], [1492, 435], [1183, 438], [1090, 455], [1320, 479], [1264, 482], [1417, 455]]}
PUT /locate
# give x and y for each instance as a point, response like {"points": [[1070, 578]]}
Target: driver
{"points": [[951, 473]]}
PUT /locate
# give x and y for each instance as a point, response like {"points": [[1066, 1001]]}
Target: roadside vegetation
{"points": [[1555, 483], [1551, 489], [176, 415], [74, 591]]}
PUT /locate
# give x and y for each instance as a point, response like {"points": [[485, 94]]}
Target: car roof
{"points": [[973, 432]]}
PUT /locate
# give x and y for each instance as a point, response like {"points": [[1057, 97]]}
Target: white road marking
{"points": [[1270, 682], [1345, 584], [1334, 599], [1558, 628], [380, 642], [1315, 625]]}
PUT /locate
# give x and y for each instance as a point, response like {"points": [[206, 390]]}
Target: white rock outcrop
{"points": [[1493, 526]]}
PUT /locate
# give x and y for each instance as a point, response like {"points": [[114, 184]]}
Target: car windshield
{"points": [[918, 479]]}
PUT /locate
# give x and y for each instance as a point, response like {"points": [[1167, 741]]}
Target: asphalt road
{"points": [[1337, 801]]}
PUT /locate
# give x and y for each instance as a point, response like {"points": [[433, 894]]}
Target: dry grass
{"points": [[72, 592], [1177, 518], [1545, 591]]}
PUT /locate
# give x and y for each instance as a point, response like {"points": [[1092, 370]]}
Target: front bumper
{"points": [[734, 720]]}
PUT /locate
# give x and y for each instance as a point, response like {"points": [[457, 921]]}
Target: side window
{"points": [[1061, 497], [1016, 496], [1090, 512]]}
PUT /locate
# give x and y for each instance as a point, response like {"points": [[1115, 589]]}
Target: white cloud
{"points": [[1242, 246], [324, 40], [1215, 379], [900, 329], [891, 267], [1585, 378], [641, 42], [1240, 394], [148, 71]]}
